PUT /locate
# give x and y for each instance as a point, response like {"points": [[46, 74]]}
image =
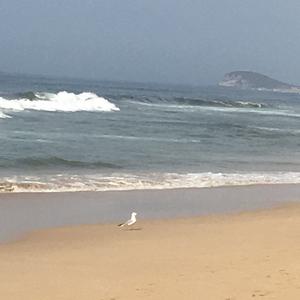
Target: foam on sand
{"points": [[119, 181]]}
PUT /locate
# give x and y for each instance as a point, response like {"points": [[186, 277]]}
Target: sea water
{"points": [[82, 135]]}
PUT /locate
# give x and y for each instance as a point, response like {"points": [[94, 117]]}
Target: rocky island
{"points": [[256, 81]]}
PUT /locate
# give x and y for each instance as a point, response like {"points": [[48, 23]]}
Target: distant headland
{"points": [[256, 81]]}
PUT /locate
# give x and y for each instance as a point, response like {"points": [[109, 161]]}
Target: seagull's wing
{"points": [[130, 222]]}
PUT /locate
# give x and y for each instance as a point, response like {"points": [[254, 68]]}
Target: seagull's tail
{"points": [[121, 225]]}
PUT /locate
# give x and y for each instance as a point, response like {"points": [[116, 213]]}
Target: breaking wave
{"points": [[61, 102], [3, 115], [220, 103], [184, 101], [183, 104]]}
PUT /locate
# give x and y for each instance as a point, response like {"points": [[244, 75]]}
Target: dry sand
{"points": [[253, 255]]}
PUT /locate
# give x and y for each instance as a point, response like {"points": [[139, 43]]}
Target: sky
{"points": [[165, 41]]}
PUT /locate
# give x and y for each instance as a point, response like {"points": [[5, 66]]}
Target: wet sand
{"points": [[23, 212], [250, 255]]}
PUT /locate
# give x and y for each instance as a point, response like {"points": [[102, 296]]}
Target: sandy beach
{"points": [[182, 113], [23, 212], [231, 256]]}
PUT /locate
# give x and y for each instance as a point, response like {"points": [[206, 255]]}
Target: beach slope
{"points": [[241, 256]]}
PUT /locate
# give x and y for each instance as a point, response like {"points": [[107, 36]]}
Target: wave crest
{"points": [[62, 101], [53, 161], [3, 115], [181, 102], [219, 103]]}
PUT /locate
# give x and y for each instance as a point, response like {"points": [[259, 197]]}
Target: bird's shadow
{"points": [[134, 229]]}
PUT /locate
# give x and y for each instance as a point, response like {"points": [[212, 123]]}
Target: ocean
{"points": [[85, 135]]}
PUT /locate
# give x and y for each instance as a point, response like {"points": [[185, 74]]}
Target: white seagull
{"points": [[131, 221]]}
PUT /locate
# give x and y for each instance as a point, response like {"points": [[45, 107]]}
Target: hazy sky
{"points": [[180, 41]]}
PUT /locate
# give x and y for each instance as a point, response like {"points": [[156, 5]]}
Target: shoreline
{"points": [[64, 183], [151, 189], [21, 213], [238, 256]]}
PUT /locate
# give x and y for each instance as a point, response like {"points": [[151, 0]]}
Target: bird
{"points": [[131, 221]]}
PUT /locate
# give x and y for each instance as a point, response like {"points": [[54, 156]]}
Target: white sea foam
{"points": [[266, 112], [62, 101], [164, 105], [150, 139], [281, 130], [245, 107], [250, 104], [100, 182], [3, 115]]}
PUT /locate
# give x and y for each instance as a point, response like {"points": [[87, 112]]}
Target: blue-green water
{"points": [[64, 134]]}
